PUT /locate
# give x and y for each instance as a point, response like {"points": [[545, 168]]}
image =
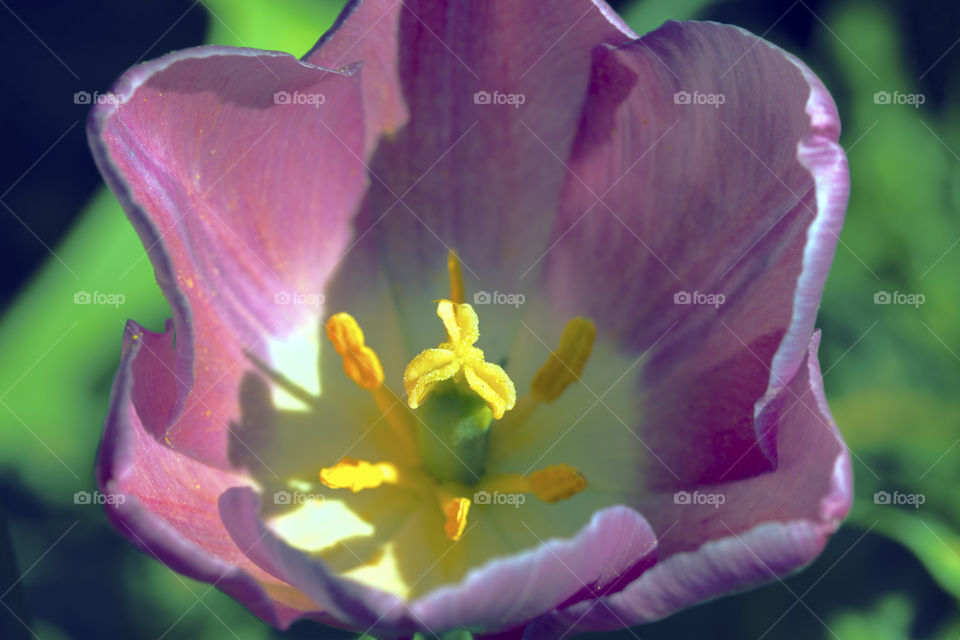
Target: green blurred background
{"points": [[891, 370]]}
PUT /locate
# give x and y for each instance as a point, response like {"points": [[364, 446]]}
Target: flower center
{"points": [[453, 397]]}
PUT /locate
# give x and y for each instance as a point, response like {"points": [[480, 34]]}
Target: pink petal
{"points": [[451, 173], [238, 200], [511, 590], [743, 199], [768, 526], [369, 31], [504, 593], [166, 502], [758, 556]]}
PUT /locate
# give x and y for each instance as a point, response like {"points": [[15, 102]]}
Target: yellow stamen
{"points": [[362, 365], [360, 362], [566, 363], [456, 277], [358, 475], [550, 484], [455, 510], [556, 483], [458, 357]]}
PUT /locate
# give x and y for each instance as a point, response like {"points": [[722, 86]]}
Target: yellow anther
{"points": [[556, 483], [358, 475], [360, 363], [566, 363], [456, 277], [459, 359], [455, 511], [550, 484]]}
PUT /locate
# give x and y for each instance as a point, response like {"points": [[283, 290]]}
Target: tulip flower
{"points": [[489, 316]]}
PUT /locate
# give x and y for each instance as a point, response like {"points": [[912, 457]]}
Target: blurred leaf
{"points": [[892, 370], [950, 630], [60, 356], [48, 631], [293, 26], [647, 16], [899, 224], [876, 417], [934, 544], [889, 620], [13, 606], [194, 609]]}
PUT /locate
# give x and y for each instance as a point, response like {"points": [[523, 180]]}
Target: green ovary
{"points": [[454, 433]]}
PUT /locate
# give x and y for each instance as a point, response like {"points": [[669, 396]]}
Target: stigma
{"points": [[458, 360]]}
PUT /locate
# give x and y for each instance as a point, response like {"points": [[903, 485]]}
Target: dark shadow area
{"points": [[55, 50]]}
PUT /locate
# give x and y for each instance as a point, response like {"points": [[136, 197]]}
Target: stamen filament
{"points": [[399, 417], [456, 277]]}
